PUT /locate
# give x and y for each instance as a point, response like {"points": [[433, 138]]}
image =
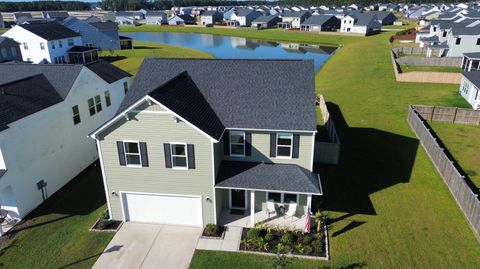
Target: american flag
{"points": [[308, 223]]}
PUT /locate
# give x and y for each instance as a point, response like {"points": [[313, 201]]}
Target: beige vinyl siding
{"points": [[261, 150], [156, 129]]}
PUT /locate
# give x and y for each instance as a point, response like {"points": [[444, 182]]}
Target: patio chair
{"points": [[292, 209], [271, 208]]}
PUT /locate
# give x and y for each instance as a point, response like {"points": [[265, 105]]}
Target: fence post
{"points": [[455, 115], [433, 112]]}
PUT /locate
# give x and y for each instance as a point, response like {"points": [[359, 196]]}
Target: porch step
{"points": [[230, 242]]}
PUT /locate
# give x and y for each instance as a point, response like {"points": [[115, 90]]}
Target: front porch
{"points": [[260, 217]]}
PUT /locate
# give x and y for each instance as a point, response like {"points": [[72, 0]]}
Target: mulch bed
{"points": [[107, 226], [298, 241], [218, 235]]}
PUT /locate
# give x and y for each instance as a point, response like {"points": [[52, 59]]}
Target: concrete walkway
{"points": [[230, 242], [146, 246]]}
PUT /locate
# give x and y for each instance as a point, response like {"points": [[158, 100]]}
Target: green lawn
{"points": [[463, 142], [388, 206], [56, 234], [130, 60], [410, 68]]}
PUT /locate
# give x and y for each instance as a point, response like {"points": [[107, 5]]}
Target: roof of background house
{"points": [[186, 18], [4, 38], [50, 30], [155, 13], [24, 97], [474, 77], [107, 71], [254, 94], [263, 176], [317, 19], [245, 12], [81, 49], [128, 13], [364, 18], [474, 55], [295, 14], [460, 29], [22, 15], [210, 12], [55, 14], [122, 37], [2, 172], [105, 26], [265, 19], [182, 96]]}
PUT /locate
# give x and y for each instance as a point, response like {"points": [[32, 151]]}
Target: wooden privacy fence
{"points": [[327, 152], [449, 114], [466, 197]]}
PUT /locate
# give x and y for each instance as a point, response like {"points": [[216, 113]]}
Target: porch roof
{"points": [[268, 177]]}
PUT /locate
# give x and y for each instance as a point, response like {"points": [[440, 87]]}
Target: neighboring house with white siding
{"points": [[44, 42], [156, 17], [470, 88], [361, 23], [186, 146], [43, 136]]}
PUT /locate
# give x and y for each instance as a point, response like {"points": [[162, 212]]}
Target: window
{"points": [[457, 42], [237, 143], [278, 197], [94, 105], [76, 115], [4, 52], [42, 46], [444, 33], [70, 42], [125, 87], [14, 51], [284, 145], [53, 45], [179, 155], [132, 153], [88, 45], [29, 59], [108, 102], [478, 41], [25, 45], [60, 45]]}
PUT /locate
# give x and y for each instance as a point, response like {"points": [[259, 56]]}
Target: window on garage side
{"points": [[284, 145], [179, 155], [132, 153]]}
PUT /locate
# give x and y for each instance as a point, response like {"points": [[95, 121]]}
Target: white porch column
{"points": [[309, 203], [252, 208], [470, 66]]}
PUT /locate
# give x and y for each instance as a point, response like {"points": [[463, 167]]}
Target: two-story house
{"points": [[156, 17], [46, 113], [201, 141], [361, 23], [211, 17], [243, 17], [470, 87], [44, 42], [9, 50], [101, 35], [293, 19]]}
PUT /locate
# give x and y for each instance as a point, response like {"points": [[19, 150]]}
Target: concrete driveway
{"points": [[138, 245]]}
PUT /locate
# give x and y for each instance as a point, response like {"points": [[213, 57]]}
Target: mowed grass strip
{"points": [[131, 60], [463, 142]]}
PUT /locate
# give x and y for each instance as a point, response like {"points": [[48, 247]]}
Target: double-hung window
{"points": [[284, 145], [4, 53], [94, 105], [278, 197], [14, 51], [70, 42], [60, 45], [458, 41], [179, 155], [76, 115], [108, 100], [42, 46], [132, 153], [25, 45], [53, 45], [237, 143], [478, 41], [125, 87]]}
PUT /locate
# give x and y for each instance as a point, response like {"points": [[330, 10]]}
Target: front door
{"points": [[237, 199]]}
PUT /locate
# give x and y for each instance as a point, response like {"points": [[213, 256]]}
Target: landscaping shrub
{"points": [[307, 250], [211, 230], [317, 245], [253, 234], [300, 248], [268, 237], [262, 244], [307, 239], [287, 239]]}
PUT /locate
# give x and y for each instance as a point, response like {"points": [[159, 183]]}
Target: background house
{"points": [[102, 35], [62, 104], [470, 88], [156, 17], [182, 20], [9, 50], [264, 22], [293, 19], [211, 17], [321, 23], [362, 23]]}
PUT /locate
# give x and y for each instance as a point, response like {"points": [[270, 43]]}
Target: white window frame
{"points": [[78, 114], [284, 146], [125, 153], [282, 197], [172, 144], [237, 133]]}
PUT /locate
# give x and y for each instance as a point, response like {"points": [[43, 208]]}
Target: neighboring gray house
{"points": [[128, 17], [2, 24], [470, 88], [182, 20], [102, 35], [471, 61], [55, 15], [293, 19], [210, 17], [265, 22], [156, 17], [20, 18], [186, 146], [385, 17], [9, 50], [228, 14], [321, 23], [243, 17], [360, 23]]}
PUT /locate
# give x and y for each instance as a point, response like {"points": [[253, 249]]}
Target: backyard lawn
{"points": [[56, 234], [388, 207], [463, 142], [410, 68]]}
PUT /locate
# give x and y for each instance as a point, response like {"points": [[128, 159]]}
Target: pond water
{"points": [[229, 47]]}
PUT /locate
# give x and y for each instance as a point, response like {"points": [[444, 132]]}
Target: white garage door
{"points": [[159, 208]]}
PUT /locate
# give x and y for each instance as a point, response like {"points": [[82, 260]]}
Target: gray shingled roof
{"points": [[107, 71], [271, 177], [474, 77], [50, 30], [364, 18], [296, 14], [210, 12], [265, 19], [2, 172], [317, 20], [245, 12], [254, 94], [474, 55]]}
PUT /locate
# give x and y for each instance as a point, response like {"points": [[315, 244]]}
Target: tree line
{"points": [[43, 6]]}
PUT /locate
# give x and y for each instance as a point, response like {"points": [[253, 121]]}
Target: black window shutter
{"points": [[296, 146], [273, 145], [226, 143], [121, 153], [168, 155], [144, 154], [191, 156], [248, 144]]}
